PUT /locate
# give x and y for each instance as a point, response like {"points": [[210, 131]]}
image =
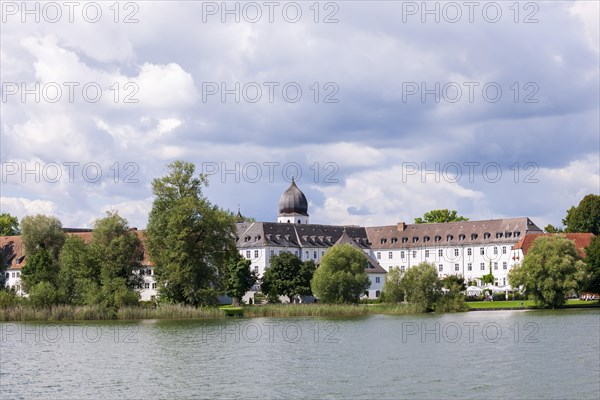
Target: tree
{"points": [[42, 231], [117, 253], [592, 262], [454, 283], [79, 275], [40, 267], [551, 270], [585, 217], [421, 286], [392, 291], [452, 299], [341, 278], [9, 225], [288, 276], [552, 229], [189, 239], [488, 278], [438, 216], [239, 278], [43, 294]]}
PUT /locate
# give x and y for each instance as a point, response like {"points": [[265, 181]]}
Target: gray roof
{"points": [[508, 230], [293, 201]]}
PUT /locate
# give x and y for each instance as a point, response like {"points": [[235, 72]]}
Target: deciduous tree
{"points": [[239, 278], [42, 231], [592, 261], [422, 286], [438, 216], [9, 225], [392, 291], [341, 277], [288, 276], [585, 217]]}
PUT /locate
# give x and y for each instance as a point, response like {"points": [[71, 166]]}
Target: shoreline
{"points": [[21, 313]]}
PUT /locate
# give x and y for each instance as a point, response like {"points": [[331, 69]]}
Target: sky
{"points": [[380, 110]]}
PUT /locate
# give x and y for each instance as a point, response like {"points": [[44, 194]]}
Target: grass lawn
{"points": [[516, 304]]}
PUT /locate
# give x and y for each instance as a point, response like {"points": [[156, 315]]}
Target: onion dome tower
{"points": [[293, 206]]}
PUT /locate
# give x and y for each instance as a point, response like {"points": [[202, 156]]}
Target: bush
{"points": [[8, 298], [43, 294]]}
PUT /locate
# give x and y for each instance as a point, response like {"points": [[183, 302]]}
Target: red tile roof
{"points": [[581, 240]]}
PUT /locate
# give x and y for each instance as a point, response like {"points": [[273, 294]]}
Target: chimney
{"points": [[401, 226]]}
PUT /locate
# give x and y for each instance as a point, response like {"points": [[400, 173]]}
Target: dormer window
{"points": [[517, 234], [438, 238], [426, 239], [461, 237], [487, 235], [394, 240], [508, 234], [473, 236], [415, 239], [499, 235], [449, 238], [404, 240], [383, 240]]}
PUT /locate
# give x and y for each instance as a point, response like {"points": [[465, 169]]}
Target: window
{"points": [[402, 254], [248, 254], [456, 267], [7, 275], [440, 253], [148, 271], [470, 267], [315, 254], [426, 253], [272, 253], [18, 273], [256, 269], [449, 238], [377, 279], [495, 265], [147, 285], [438, 238], [482, 266], [377, 293], [414, 254], [461, 237], [415, 239], [390, 255], [473, 236], [255, 253], [142, 272], [481, 251], [455, 252], [503, 249], [402, 268], [504, 265], [495, 250], [440, 267], [13, 274], [306, 253], [487, 235], [379, 255], [153, 285], [517, 234], [469, 251]]}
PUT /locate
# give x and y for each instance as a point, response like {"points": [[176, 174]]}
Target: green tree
{"points": [[40, 267], [288, 276], [592, 262], [488, 278], [42, 231], [79, 275], [239, 278], [551, 270], [454, 283], [422, 286], [341, 278], [552, 229], [438, 216], [189, 239], [452, 299], [392, 291], [9, 225], [43, 294], [585, 217], [117, 253]]}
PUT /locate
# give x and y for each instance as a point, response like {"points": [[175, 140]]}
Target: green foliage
{"points": [[288, 276], [42, 231], [585, 217], [551, 270], [189, 239], [592, 262], [9, 225], [9, 298], [239, 278], [79, 275], [422, 286], [40, 267], [439, 216], [341, 278], [552, 229], [392, 292], [43, 294], [454, 283], [488, 278]]}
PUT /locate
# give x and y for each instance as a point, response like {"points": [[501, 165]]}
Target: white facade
{"points": [[12, 280]]}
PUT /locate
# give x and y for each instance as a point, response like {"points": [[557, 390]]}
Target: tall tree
{"points": [[422, 286], [9, 225], [585, 217], [592, 261], [552, 229], [188, 239], [40, 267], [117, 252], [439, 216], [79, 275], [341, 277], [239, 278], [288, 276], [551, 270], [42, 231]]}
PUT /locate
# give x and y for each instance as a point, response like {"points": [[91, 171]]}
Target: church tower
{"points": [[293, 206]]}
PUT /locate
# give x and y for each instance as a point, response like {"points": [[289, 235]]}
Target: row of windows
{"points": [[14, 274], [147, 286], [482, 267], [146, 271], [441, 252], [306, 254], [461, 237]]}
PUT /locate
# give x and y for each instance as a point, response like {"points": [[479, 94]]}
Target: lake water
{"points": [[482, 355]]}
